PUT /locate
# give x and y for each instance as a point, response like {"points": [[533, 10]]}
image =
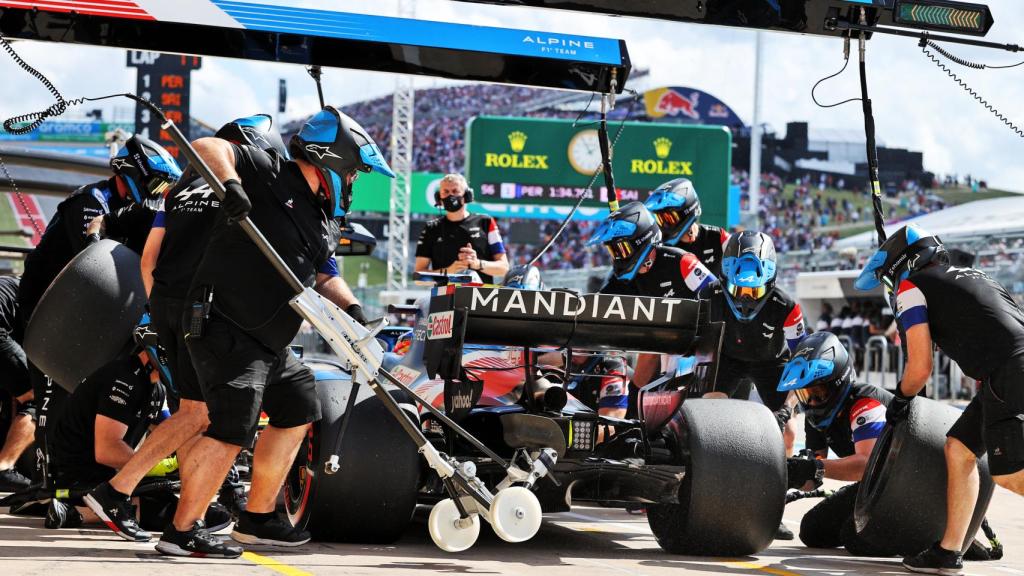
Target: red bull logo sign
{"points": [[671, 102]]}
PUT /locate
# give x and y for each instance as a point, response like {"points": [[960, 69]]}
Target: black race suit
{"points": [[242, 359], [830, 523], [13, 364], [757, 350], [441, 240], [976, 322], [707, 247]]}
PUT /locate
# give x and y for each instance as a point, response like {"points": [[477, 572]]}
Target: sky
{"points": [[916, 105]]}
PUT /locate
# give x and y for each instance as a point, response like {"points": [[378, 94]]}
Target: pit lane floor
{"points": [[591, 541]]}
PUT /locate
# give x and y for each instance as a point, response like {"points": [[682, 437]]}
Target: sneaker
{"points": [[116, 512], [783, 532], [217, 518], [197, 542], [234, 500], [935, 560], [11, 480], [274, 532]]}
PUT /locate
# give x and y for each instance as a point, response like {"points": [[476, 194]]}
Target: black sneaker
{"points": [[116, 512], [11, 480], [274, 532], [935, 560], [196, 542], [217, 517], [783, 532]]}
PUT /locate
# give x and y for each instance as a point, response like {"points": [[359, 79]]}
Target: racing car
{"points": [[711, 473]]}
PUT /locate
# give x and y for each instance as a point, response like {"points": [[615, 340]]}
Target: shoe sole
{"points": [[171, 549], [254, 540], [942, 571], [97, 509]]}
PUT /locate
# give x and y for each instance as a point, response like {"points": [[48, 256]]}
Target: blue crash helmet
{"points": [[337, 145], [676, 207], [256, 130], [523, 278], [909, 249], [146, 168], [821, 375], [748, 272], [629, 235]]}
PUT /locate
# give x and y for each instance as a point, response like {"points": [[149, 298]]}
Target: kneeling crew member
{"points": [[459, 240], [978, 325], [240, 352], [844, 416]]}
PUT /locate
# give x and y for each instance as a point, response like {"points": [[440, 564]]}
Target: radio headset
{"points": [[467, 197]]}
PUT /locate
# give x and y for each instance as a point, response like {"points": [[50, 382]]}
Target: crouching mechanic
{"points": [[14, 380], [240, 349], [977, 324], [643, 267], [173, 250], [844, 416], [105, 418]]}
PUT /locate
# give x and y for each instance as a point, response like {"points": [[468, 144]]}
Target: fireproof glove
{"points": [[236, 204], [899, 407], [782, 416], [802, 470], [356, 312]]}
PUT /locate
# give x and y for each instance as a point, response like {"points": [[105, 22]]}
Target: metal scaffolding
{"points": [[401, 163]]}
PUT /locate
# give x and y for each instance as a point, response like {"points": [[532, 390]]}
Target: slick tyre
{"points": [[372, 496], [733, 495], [901, 503], [87, 315]]}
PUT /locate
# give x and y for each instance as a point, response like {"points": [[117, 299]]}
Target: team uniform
{"points": [[757, 349], [707, 247], [830, 523], [675, 273], [242, 360], [975, 322], [442, 239], [603, 381], [13, 363]]}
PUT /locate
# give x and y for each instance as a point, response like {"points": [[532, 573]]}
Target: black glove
{"points": [[899, 407], [236, 204], [356, 312], [782, 416], [802, 470]]}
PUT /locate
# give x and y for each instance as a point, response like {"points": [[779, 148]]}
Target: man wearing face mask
{"points": [[459, 240]]}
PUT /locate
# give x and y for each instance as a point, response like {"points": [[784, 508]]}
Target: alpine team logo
{"points": [[321, 151]]}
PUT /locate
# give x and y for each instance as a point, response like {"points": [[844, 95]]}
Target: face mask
{"points": [[452, 203]]}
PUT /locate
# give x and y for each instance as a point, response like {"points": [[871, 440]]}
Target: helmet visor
{"points": [[668, 218], [754, 293], [158, 185], [619, 250], [814, 396]]}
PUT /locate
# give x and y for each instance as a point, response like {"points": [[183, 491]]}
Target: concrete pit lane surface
{"points": [[591, 541]]}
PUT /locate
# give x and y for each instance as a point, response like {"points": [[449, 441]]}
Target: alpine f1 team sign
{"points": [[545, 161]]}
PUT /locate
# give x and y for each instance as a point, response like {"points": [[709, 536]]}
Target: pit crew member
{"points": [[240, 348], [977, 324], [844, 416], [15, 381], [173, 249], [676, 207], [459, 240], [643, 267], [142, 171]]}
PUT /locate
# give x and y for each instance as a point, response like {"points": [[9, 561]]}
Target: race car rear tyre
{"points": [[901, 503], [372, 496], [733, 495]]}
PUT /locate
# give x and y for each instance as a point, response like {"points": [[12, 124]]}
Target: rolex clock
{"points": [[585, 152]]}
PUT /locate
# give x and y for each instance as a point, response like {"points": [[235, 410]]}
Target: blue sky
{"points": [[916, 105]]}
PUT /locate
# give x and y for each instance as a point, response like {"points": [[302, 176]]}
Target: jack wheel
{"points": [[449, 531], [515, 514]]}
